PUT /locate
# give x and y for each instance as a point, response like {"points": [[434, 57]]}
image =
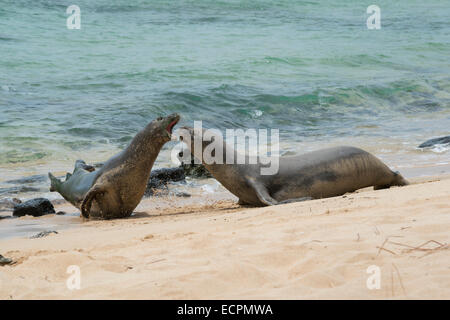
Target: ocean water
{"points": [[311, 69]]}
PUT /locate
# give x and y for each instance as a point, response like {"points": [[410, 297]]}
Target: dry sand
{"points": [[309, 250]]}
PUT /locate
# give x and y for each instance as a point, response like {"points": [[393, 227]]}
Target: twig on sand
{"points": [[401, 244], [155, 261], [427, 249], [384, 242], [400, 279], [441, 246], [377, 232], [382, 246], [392, 282]]}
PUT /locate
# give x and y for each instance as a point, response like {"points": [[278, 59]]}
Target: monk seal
{"points": [[319, 174], [117, 187]]}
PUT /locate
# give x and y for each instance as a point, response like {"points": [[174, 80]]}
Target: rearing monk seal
{"points": [[318, 174], [117, 187]]}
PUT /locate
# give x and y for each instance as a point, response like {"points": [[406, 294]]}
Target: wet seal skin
{"points": [[319, 174], [118, 186]]}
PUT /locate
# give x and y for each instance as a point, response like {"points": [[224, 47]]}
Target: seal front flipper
{"points": [[296, 200], [95, 191], [55, 183], [261, 192]]}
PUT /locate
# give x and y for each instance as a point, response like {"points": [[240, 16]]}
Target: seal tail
{"points": [[399, 180], [55, 183]]}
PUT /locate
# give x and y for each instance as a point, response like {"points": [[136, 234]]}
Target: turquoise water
{"points": [[311, 69]]}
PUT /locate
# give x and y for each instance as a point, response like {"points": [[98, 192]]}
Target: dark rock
{"points": [[157, 192], [168, 174], [43, 234], [196, 171], [34, 207], [159, 179], [183, 194], [193, 169], [4, 261], [435, 141], [60, 213]]}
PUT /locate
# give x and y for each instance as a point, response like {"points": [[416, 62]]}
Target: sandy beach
{"points": [[318, 249]]}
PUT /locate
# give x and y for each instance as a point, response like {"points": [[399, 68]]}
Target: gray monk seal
{"points": [[117, 187], [319, 174]]}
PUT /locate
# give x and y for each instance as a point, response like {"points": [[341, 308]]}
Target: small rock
{"points": [[60, 213], [4, 261], [35, 207], [183, 194], [43, 234]]}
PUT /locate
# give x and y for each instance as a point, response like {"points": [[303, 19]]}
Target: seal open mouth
{"points": [[171, 125]]}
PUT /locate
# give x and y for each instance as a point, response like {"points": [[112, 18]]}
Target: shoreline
{"points": [[41, 184], [202, 192], [399, 155], [306, 250]]}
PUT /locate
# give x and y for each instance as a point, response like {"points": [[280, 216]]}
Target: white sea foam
{"points": [[441, 148]]}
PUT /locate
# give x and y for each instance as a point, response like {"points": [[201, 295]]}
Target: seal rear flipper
{"points": [[89, 197], [55, 183], [242, 202], [399, 180], [261, 192]]}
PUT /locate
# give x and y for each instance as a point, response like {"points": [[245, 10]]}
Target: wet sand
{"points": [[308, 250]]}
